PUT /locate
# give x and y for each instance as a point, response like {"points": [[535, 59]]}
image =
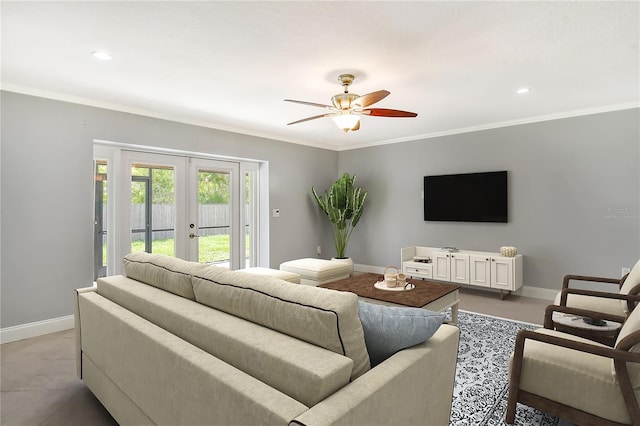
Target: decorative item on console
{"points": [[508, 251], [421, 259], [450, 249]]}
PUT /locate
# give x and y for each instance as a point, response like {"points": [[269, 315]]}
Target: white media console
{"points": [[474, 268]]}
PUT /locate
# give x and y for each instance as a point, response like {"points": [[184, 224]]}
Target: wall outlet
{"points": [[276, 212], [319, 250], [625, 271]]}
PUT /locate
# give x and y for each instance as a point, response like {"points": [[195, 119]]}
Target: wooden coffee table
{"points": [[430, 295]]}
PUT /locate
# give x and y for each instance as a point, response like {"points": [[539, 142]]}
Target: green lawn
{"points": [[213, 248]]}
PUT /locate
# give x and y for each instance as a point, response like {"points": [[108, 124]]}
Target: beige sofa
{"points": [[180, 343]]}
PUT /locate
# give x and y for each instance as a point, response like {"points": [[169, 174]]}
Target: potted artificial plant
{"points": [[343, 204]]}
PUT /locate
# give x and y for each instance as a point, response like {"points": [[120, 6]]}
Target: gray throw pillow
{"points": [[389, 329]]}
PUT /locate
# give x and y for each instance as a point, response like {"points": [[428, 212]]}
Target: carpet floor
{"points": [[482, 374]]}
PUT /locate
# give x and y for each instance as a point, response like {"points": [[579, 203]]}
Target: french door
{"points": [[214, 213], [197, 209]]}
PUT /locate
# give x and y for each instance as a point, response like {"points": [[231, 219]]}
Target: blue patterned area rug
{"points": [[481, 388]]}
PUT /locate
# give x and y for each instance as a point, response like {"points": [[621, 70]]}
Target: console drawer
{"points": [[421, 271]]}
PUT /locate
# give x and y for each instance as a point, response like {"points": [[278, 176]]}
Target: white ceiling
{"points": [[229, 65]]}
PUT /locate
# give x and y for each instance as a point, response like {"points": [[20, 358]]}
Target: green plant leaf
{"points": [[343, 203]]}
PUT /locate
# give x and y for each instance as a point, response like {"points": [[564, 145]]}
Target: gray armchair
{"points": [[577, 379], [615, 304], [612, 302]]}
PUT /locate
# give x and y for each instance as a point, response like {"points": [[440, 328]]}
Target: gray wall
{"points": [[46, 161], [569, 180]]}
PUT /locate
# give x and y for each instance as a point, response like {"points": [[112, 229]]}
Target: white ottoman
{"points": [[317, 271], [283, 275]]}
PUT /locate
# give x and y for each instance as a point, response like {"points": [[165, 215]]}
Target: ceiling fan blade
{"points": [[309, 103], [383, 112], [371, 98], [310, 118]]}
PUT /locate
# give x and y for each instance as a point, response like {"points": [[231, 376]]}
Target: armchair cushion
{"points": [[630, 284], [585, 383], [631, 325], [592, 303]]}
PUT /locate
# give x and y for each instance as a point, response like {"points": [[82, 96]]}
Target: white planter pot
{"points": [[346, 260]]}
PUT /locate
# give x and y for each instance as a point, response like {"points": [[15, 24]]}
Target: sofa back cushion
{"points": [[299, 369], [323, 317], [167, 273]]}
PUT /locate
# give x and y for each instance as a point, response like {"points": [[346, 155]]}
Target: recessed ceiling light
{"points": [[523, 90], [103, 56]]}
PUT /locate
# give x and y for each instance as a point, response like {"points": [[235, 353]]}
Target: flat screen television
{"points": [[468, 197]]}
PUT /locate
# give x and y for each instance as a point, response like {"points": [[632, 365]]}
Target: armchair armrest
{"points": [[607, 352], [595, 293], [549, 310], [568, 278]]}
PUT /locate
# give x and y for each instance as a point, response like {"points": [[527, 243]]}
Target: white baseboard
{"points": [[525, 291], [538, 292], [34, 329]]}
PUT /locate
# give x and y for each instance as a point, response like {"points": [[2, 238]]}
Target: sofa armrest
{"points": [[419, 379], [76, 304]]}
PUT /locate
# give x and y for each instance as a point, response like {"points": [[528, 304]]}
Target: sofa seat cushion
{"points": [[585, 383], [317, 269], [168, 273], [301, 370], [323, 317]]}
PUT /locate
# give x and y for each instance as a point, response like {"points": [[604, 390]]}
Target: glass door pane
{"points": [[214, 219], [153, 209], [214, 226], [250, 216], [100, 220]]}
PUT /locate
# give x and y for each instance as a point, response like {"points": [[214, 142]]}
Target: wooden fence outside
{"points": [[163, 217]]}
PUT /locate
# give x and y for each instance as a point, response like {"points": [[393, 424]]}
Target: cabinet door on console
{"points": [[502, 273], [480, 270], [460, 268], [441, 262]]}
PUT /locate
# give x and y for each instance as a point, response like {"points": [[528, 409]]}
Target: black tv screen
{"points": [[468, 197]]}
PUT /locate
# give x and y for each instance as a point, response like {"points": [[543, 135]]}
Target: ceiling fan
{"points": [[348, 107]]}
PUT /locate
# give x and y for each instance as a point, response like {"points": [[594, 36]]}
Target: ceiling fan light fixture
{"points": [[348, 107], [346, 121], [102, 55]]}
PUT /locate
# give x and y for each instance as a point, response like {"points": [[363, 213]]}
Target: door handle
{"points": [[192, 235]]}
